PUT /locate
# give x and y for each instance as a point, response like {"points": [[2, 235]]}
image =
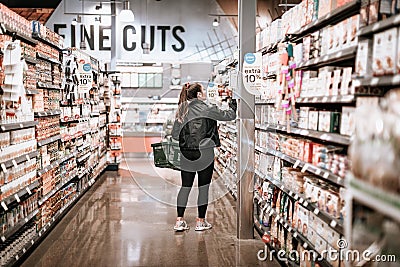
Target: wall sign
{"points": [[252, 73], [174, 30]]}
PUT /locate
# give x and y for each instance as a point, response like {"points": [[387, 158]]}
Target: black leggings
{"points": [[193, 162]]}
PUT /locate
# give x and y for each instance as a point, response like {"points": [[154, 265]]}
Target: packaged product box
{"points": [[378, 54], [324, 7], [321, 228], [338, 37], [313, 120], [303, 215], [353, 27], [346, 83], [312, 235], [329, 121], [347, 121], [298, 53], [337, 76], [389, 62], [367, 101], [315, 10], [308, 151], [385, 9], [320, 244], [306, 48], [332, 205], [332, 237], [303, 122], [398, 50], [304, 111], [364, 58], [364, 13], [373, 11], [320, 197]]}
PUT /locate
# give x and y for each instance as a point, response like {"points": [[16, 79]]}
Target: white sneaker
{"points": [[181, 226], [202, 225]]}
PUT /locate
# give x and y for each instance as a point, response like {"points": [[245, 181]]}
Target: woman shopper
{"points": [[196, 129]]}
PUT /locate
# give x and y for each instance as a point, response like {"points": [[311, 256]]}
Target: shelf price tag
{"points": [[301, 200], [333, 224], [326, 175], [3, 167], [3, 238], [26, 219], [4, 206], [295, 235], [14, 163], [296, 164], [318, 172], [17, 198], [305, 203], [305, 167], [23, 250], [316, 211], [305, 245], [32, 242]]}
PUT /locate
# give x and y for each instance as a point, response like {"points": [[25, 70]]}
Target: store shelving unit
{"points": [[271, 123], [366, 198], [59, 174]]}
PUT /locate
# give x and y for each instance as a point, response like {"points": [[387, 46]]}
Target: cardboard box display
{"points": [[378, 54], [313, 120], [390, 46]]}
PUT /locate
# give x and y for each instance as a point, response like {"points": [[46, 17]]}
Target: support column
{"points": [[113, 63], [245, 122]]}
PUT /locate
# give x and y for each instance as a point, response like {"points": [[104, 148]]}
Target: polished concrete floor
{"points": [[126, 219]]}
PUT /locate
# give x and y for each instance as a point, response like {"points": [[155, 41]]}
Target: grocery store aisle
{"points": [[126, 220]]}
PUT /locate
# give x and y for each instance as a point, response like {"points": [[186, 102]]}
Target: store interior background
{"points": [[150, 98]]}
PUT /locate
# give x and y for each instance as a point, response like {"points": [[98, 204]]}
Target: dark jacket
{"points": [[199, 127]]}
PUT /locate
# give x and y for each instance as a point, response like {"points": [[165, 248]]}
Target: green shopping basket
{"points": [[167, 155]]}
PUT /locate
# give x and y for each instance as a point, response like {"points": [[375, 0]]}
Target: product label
{"points": [[212, 93], [252, 73]]}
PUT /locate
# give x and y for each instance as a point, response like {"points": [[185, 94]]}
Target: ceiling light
{"points": [[215, 22], [126, 14]]}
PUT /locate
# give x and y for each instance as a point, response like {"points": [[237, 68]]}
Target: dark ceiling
{"points": [[41, 10], [31, 4]]}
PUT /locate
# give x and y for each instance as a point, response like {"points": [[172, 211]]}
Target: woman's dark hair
{"points": [[189, 92]]}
